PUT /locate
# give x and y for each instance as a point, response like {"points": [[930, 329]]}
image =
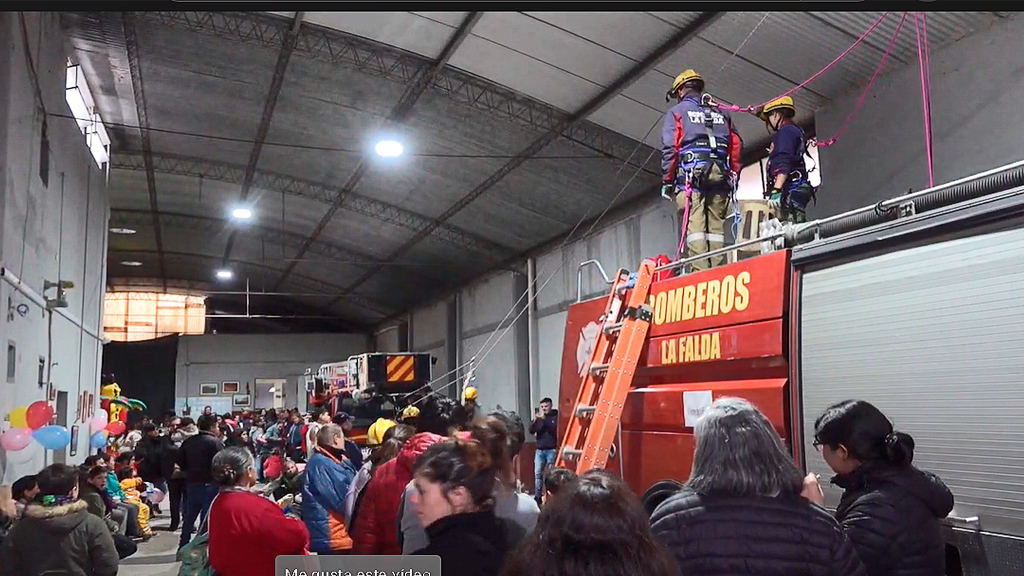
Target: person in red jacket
{"points": [[248, 532], [375, 531]]}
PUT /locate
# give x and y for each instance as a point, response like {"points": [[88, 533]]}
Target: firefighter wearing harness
{"points": [[788, 189], [700, 166]]}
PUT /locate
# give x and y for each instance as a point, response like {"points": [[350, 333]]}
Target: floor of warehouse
{"points": [[156, 557]]}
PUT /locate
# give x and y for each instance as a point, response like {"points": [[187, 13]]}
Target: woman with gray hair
{"points": [[247, 531], [742, 511]]}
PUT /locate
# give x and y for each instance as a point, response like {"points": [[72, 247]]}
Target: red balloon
{"points": [[116, 428], [123, 416], [39, 414]]}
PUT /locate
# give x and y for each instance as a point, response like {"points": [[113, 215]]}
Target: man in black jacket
{"points": [[545, 428], [195, 458]]}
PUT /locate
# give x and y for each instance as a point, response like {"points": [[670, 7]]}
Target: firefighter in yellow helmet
{"points": [[700, 166], [375, 433], [409, 415], [788, 189], [469, 402]]}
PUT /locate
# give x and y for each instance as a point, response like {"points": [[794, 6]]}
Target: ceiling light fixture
{"points": [[224, 274], [242, 213], [122, 231], [389, 148], [131, 263]]}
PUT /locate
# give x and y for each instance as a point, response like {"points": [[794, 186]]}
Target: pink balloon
{"points": [[16, 439], [99, 422]]}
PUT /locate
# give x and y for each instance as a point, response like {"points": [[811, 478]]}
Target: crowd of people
{"points": [[444, 484]]}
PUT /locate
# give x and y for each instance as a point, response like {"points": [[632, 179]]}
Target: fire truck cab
{"points": [[368, 386], [917, 308]]}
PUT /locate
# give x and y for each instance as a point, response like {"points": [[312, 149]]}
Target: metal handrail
{"points": [[723, 250], [796, 230], [579, 276]]}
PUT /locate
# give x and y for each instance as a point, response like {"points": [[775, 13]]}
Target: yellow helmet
{"points": [[375, 433], [784, 103], [410, 412], [687, 76], [469, 393]]}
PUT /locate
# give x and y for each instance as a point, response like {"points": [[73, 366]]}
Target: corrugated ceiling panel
{"points": [[523, 74], [453, 19], [629, 117], [797, 57], [402, 29], [631, 34], [943, 28], [563, 50], [677, 19]]}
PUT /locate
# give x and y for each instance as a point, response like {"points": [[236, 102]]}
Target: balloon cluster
{"points": [[32, 422]]}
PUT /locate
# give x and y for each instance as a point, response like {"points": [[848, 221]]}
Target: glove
{"points": [[668, 190], [774, 198]]}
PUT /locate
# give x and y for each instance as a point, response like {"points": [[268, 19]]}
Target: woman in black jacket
{"points": [[889, 508], [742, 512], [595, 527], [454, 500]]}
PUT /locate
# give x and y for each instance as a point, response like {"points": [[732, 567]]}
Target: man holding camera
{"points": [[545, 428]]}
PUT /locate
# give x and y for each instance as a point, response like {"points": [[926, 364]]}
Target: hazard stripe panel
{"points": [[401, 368]]}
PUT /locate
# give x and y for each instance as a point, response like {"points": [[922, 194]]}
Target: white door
{"points": [[269, 393]]}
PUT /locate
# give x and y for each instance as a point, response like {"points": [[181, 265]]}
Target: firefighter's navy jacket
{"points": [[787, 152], [685, 131]]}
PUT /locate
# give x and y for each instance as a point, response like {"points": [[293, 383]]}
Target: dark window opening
{"points": [[44, 157], [12, 361]]}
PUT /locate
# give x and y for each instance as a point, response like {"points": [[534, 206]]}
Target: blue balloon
{"points": [[98, 440], [53, 437]]}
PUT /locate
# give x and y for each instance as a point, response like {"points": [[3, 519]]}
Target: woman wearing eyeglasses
{"points": [[889, 509]]}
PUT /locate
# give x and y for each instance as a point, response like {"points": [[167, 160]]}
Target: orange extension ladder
{"points": [[595, 419]]}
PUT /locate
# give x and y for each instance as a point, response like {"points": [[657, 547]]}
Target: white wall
{"points": [[500, 373], [246, 357], [977, 111], [47, 233]]}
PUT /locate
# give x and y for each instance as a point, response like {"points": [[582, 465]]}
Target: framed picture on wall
{"points": [[240, 400], [74, 441], [229, 388], [208, 389]]}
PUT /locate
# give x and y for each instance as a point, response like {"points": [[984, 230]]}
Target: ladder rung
{"points": [[571, 453], [598, 368], [581, 410], [608, 329]]}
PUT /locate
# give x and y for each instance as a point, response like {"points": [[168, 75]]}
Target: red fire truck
{"points": [[915, 304]]}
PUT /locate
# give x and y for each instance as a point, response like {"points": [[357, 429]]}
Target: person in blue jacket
{"points": [[325, 485], [700, 166], [788, 189]]}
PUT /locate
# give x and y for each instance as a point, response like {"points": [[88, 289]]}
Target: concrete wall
{"points": [[246, 357], [977, 109], [47, 231]]}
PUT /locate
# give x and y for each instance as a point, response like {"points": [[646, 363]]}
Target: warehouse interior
{"points": [[336, 183]]}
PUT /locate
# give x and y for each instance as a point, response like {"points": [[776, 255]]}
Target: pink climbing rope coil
{"points": [[752, 109], [860, 101]]}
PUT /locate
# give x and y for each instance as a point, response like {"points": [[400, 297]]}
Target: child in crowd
{"points": [[23, 491], [555, 479], [132, 485]]}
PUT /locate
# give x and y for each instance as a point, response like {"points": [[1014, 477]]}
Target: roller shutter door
{"points": [[933, 336]]}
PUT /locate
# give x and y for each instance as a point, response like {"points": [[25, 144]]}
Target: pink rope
{"points": [[863, 37], [871, 83], [925, 97], [686, 223]]}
